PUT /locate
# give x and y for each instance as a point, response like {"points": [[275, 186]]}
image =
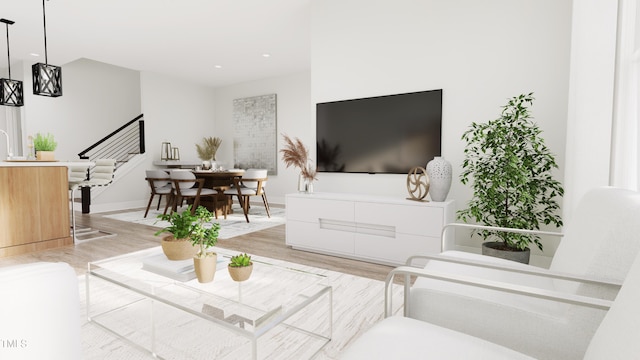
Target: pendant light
{"points": [[10, 90], [47, 79]]}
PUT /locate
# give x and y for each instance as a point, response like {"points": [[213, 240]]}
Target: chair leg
{"points": [[266, 203], [149, 204], [73, 213], [170, 199], [159, 200], [246, 207]]}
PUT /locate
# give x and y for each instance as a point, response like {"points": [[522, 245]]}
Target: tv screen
{"points": [[386, 134]]}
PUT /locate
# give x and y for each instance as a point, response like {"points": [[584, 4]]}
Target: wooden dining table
{"points": [[219, 180]]}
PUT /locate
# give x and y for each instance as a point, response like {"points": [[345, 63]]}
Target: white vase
{"points": [[439, 171]]}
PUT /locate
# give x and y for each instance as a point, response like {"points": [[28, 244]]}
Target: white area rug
{"points": [[234, 225], [357, 305]]}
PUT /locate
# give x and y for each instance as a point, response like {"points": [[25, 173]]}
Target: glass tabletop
{"points": [[274, 291]]}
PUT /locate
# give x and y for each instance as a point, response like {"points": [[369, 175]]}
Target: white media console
{"points": [[384, 230]]}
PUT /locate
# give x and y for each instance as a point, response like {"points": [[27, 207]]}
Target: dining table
{"points": [[219, 180]]}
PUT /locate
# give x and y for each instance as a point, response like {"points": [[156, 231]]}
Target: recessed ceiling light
{"points": [[34, 54], [266, 55], [217, 66]]}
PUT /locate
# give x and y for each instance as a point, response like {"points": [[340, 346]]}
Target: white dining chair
{"points": [[159, 184], [252, 183]]}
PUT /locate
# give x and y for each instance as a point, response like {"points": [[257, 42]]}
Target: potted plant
{"points": [[44, 145], [295, 154], [510, 169], [208, 148], [178, 246], [204, 237], [240, 267]]}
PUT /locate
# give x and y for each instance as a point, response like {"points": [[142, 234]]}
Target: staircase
{"points": [[125, 145]]}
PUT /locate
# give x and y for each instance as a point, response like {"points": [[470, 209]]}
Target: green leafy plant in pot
{"points": [[204, 236], [44, 145], [510, 170], [177, 245], [240, 267]]}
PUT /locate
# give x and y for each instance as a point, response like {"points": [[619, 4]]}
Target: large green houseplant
{"points": [[510, 170]]}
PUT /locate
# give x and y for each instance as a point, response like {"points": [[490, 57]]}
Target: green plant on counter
{"points": [[240, 260], [44, 142]]}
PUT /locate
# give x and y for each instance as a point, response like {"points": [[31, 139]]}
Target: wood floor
{"points": [[131, 237]]}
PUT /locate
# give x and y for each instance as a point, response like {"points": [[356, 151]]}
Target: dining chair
{"points": [[252, 183], [102, 175], [160, 184], [187, 186]]}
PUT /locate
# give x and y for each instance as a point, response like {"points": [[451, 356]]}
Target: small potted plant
{"points": [[240, 267], [44, 145], [510, 168], [204, 236], [177, 245]]}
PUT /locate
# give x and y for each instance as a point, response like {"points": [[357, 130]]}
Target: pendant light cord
{"points": [[8, 53], [44, 20]]}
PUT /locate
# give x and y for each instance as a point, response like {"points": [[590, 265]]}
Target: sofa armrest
{"points": [[546, 294]]}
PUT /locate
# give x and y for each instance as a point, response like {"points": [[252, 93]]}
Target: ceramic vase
{"points": [[439, 171]]}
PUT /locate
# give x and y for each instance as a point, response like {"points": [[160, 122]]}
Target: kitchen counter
{"points": [[34, 205]]}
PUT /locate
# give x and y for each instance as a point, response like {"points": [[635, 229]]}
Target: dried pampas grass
{"points": [[295, 154]]}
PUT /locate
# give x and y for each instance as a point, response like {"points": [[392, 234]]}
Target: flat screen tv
{"points": [[380, 135]]}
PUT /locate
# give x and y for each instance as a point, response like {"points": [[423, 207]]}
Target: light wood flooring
{"points": [[132, 237]]}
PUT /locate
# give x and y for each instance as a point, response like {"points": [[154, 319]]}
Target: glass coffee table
{"points": [[280, 312]]}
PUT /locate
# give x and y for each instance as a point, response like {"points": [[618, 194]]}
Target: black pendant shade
{"points": [[11, 92], [47, 78]]}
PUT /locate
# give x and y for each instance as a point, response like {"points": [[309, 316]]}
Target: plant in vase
{"points": [[44, 146], [208, 148], [177, 246], [295, 154], [204, 237], [509, 167], [240, 267]]}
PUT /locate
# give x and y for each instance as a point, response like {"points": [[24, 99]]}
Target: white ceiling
{"points": [[181, 38]]}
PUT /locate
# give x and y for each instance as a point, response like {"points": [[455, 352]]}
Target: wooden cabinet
{"points": [[34, 209], [378, 229]]}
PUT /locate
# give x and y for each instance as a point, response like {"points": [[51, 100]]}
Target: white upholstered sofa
{"points": [[39, 312]]}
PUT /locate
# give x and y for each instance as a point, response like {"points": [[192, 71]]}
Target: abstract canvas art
{"points": [[255, 133]]}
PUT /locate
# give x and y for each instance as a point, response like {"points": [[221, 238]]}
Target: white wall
{"points": [[175, 111], [479, 52], [591, 97], [294, 118], [97, 98]]}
